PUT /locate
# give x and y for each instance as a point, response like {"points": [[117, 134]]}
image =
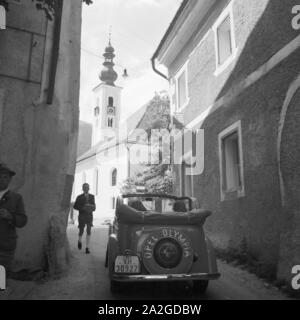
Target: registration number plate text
{"points": [[127, 264]]}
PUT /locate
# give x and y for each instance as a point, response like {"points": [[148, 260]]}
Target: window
{"points": [[110, 122], [224, 39], [110, 101], [114, 178], [180, 96], [96, 111], [231, 162]]}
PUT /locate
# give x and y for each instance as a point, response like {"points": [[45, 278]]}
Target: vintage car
{"points": [[159, 238]]}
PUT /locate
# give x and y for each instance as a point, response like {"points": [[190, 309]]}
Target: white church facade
{"points": [[109, 161]]}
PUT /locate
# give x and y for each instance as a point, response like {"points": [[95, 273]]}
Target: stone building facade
{"points": [[234, 71], [39, 112]]}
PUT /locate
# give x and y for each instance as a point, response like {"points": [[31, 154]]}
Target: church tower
{"points": [[107, 99]]}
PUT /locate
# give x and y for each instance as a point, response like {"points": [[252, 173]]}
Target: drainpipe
{"points": [[163, 76], [128, 158], [155, 69], [55, 50], [171, 127], [183, 5]]}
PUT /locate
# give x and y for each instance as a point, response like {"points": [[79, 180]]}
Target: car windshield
{"points": [[158, 204]]}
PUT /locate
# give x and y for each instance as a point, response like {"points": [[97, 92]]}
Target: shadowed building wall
{"points": [[39, 139], [249, 92]]}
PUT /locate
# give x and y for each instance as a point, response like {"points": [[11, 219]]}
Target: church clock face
{"points": [[111, 110]]}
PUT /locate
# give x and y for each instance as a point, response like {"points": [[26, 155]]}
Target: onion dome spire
{"points": [[108, 75]]}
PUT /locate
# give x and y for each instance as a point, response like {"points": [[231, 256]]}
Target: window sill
{"points": [[221, 68], [180, 110]]}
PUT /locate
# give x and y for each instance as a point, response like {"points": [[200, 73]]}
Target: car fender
{"points": [[211, 256], [112, 252]]}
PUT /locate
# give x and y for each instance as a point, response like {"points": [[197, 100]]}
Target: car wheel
{"points": [[200, 286], [115, 286]]}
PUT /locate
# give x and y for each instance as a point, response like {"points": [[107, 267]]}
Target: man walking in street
{"points": [[12, 216], [85, 204]]}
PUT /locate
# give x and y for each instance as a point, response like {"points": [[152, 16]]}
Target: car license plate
{"points": [[127, 264]]}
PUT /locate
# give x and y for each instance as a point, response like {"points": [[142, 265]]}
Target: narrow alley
{"points": [[88, 280]]}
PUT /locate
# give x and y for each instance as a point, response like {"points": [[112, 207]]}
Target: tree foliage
{"points": [[50, 7], [156, 178], [4, 3]]}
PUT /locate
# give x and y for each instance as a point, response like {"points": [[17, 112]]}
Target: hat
{"points": [[5, 169]]}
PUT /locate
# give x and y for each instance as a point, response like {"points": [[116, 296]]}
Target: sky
{"points": [[137, 26]]}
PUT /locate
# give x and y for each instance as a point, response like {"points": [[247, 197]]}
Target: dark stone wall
{"points": [[290, 166], [256, 218], [39, 140]]}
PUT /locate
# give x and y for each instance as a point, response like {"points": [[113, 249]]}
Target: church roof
{"points": [[131, 123], [134, 119]]}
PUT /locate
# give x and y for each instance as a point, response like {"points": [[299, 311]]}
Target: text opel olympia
{"points": [[159, 238]]}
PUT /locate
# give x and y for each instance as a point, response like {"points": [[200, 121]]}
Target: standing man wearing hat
{"points": [[12, 216]]}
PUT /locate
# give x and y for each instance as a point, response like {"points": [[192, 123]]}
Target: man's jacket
{"points": [[13, 203], [81, 201]]}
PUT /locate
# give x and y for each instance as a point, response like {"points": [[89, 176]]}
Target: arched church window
{"points": [[110, 122], [96, 111], [114, 177], [111, 101]]}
